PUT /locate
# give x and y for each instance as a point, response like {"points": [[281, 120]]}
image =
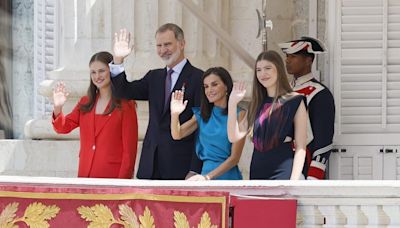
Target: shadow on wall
{"points": [[5, 50]]}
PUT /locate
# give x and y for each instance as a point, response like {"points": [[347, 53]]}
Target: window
{"points": [[366, 69]]}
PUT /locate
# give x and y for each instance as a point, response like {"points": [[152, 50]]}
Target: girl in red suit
{"points": [[108, 126]]}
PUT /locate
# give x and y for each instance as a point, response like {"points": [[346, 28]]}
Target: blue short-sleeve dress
{"points": [[212, 145]]}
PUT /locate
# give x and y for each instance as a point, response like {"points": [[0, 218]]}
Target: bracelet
{"points": [[207, 177]]}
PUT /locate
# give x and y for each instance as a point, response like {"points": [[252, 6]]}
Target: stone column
{"points": [[22, 86], [86, 29]]}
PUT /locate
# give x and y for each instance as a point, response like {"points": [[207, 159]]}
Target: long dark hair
{"points": [[259, 92], [106, 58], [205, 106]]}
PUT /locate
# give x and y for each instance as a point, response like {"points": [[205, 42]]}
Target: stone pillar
{"points": [[86, 30], [22, 86]]}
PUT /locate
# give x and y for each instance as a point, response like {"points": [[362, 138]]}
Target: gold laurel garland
{"points": [[35, 215], [101, 216], [205, 221], [181, 221]]}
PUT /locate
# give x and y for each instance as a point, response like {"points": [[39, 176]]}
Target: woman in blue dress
{"points": [[219, 156], [278, 121]]}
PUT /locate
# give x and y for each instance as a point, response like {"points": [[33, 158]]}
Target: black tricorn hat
{"points": [[303, 45]]}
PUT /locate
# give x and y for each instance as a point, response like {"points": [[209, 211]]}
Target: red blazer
{"points": [[107, 150]]}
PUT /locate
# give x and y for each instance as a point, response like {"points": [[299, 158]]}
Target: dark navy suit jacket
{"points": [[175, 158]]}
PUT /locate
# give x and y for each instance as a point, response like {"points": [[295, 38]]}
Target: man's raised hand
{"points": [[122, 47]]}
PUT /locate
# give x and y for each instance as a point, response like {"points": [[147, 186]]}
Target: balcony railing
{"points": [[320, 203]]}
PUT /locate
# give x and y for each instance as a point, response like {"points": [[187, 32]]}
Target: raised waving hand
{"points": [[235, 133], [122, 46], [177, 104], [238, 92], [60, 95]]}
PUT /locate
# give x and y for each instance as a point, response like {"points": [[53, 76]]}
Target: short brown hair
{"points": [[174, 28]]}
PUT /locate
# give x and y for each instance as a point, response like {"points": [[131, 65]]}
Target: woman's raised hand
{"points": [[60, 95], [177, 104], [238, 92]]}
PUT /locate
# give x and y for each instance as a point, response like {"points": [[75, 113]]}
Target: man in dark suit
{"points": [[162, 157]]}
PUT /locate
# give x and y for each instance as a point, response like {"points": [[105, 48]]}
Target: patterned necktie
{"points": [[167, 91]]}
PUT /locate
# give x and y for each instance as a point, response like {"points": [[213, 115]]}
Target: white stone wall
{"points": [[244, 27], [39, 158], [87, 27], [49, 158]]}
